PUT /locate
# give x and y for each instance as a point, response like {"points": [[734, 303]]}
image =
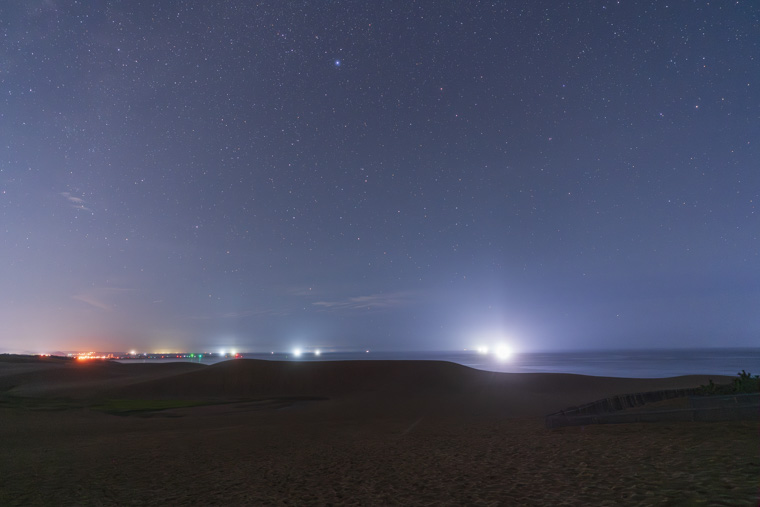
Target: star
{"points": [[261, 162]]}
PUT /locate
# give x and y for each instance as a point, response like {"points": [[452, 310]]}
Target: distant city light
{"points": [[83, 356], [317, 352], [503, 352], [297, 352], [496, 343]]}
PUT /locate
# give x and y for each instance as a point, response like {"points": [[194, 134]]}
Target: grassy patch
{"points": [[126, 406], [121, 406], [29, 403]]}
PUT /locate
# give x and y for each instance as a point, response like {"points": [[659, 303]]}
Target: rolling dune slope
{"points": [[396, 381]]}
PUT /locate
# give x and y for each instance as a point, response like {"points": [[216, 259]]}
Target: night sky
{"points": [[385, 175]]}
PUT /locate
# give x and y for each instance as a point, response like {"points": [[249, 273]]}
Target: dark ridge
{"points": [[243, 377], [250, 377], [27, 358], [82, 378], [371, 382]]}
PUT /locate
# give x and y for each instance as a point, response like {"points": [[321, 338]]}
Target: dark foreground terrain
{"points": [[369, 433]]}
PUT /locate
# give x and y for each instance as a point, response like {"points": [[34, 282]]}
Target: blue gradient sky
{"points": [[566, 174]]}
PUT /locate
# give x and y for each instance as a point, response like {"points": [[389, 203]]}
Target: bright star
{"points": [[337, 63]]}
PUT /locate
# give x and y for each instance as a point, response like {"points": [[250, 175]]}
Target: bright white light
{"points": [[503, 352], [233, 352], [221, 352], [297, 352], [317, 352], [132, 352], [482, 349]]}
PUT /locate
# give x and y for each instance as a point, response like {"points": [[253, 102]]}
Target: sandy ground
{"points": [[380, 433]]}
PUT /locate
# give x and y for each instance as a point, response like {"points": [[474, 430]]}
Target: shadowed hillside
{"points": [[250, 377], [394, 381], [248, 432], [430, 383], [79, 378]]}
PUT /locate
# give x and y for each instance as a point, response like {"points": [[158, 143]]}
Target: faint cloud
{"points": [[373, 301], [101, 298], [86, 298], [76, 202], [237, 315], [302, 291]]}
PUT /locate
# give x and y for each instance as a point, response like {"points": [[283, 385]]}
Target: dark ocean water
{"points": [[632, 363]]}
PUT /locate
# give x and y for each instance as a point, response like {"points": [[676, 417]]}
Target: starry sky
{"points": [[388, 175]]}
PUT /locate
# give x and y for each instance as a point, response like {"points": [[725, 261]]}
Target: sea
{"points": [[655, 363]]}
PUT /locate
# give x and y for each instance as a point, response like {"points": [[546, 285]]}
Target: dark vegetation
{"points": [[28, 358], [31, 403], [744, 384], [125, 406]]}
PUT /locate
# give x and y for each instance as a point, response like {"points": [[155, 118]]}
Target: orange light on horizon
{"points": [[82, 356]]}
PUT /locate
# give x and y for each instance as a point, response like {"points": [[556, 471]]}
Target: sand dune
{"points": [[434, 383], [80, 378], [393, 381], [380, 433]]}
